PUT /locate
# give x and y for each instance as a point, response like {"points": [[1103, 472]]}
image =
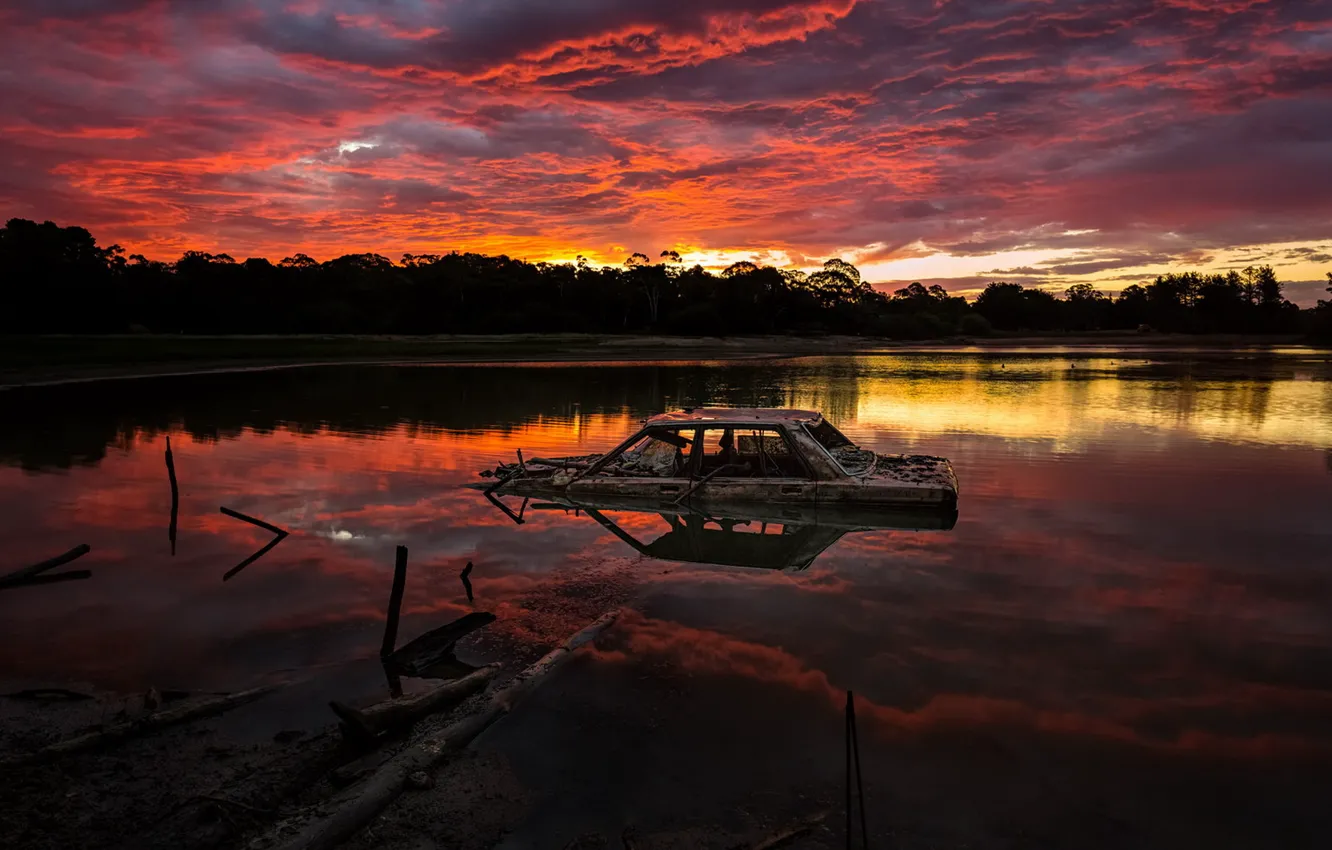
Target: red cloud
{"points": [[803, 126], [703, 652]]}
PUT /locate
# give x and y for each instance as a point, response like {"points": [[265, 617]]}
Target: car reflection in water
{"points": [[786, 537]]}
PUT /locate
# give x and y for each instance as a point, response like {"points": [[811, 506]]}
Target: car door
{"points": [[744, 463], [650, 469]]}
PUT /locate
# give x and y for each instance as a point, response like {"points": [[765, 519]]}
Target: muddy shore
{"points": [[247, 777]]}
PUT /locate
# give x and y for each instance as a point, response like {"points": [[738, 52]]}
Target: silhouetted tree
{"points": [[57, 279]]}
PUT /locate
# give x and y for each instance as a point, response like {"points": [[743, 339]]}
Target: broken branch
{"points": [[22, 575], [68, 575], [269, 526]]}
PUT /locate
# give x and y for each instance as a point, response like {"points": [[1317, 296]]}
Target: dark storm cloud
{"points": [[1122, 131]]}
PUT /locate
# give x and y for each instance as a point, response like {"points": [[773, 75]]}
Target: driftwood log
{"points": [[398, 714], [116, 732], [360, 804]]}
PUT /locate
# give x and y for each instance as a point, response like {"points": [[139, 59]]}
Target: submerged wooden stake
{"points": [[362, 803]]}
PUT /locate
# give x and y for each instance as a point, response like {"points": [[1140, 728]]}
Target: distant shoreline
{"points": [[44, 360]]}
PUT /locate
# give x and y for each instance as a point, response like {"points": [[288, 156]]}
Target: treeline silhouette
{"points": [[58, 280]]}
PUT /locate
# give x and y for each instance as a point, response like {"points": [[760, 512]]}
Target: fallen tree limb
{"points": [[141, 725], [396, 715], [362, 803], [23, 575]]}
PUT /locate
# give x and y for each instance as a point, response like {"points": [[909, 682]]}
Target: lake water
{"points": [[1125, 640]]}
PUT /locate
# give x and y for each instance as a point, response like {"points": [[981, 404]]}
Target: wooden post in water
{"points": [[175, 496], [395, 603]]}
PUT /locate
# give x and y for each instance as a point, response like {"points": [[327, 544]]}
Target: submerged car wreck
{"points": [[737, 455]]}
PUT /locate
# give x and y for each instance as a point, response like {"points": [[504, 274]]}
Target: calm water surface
{"points": [[1126, 639]]}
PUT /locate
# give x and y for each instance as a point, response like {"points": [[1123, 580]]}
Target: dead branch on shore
{"points": [[362, 803], [397, 715], [154, 722]]}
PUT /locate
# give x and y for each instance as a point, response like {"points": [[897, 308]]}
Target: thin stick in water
{"points": [[395, 603], [175, 496], [281, 534], [26, 574], [247, 518]]}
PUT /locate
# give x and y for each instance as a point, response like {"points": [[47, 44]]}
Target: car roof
{"points": [[738, 415]]}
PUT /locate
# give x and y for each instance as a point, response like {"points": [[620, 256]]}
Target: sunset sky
{"points": [[954, 141]]}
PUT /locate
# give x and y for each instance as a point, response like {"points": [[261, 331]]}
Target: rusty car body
{"points": [[721, 456]]}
